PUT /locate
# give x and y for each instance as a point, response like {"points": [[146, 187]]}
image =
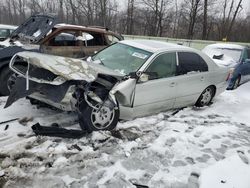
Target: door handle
{"points": [[202, 78], [172, 84]]}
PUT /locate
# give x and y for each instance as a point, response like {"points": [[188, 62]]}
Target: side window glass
{"points": [[163, 66], [93, 39], [190, 62], [66, 38], [86, 38], [248, 53], [244, 55], [112, 39]]}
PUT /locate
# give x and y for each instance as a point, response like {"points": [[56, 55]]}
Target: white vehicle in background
{"points": [[5, 31], [225, 54], [234, 56]]}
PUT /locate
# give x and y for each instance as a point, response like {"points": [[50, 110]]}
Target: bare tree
{"points": [[204, 29], [156, 8], [176, 20], [130, 16], [206, 19], [193, 9], [234, 17]]}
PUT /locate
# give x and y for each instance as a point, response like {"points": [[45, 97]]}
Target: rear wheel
{"points": [[98, 119], [206, 97]]}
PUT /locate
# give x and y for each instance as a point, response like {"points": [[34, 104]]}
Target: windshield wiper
{"points": [[98, 61]]}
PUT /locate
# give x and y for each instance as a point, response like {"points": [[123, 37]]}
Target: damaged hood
{"points": [[67, 68], [34, 28]]}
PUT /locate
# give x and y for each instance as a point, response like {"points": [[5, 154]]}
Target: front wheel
{"points": [[206, 97], [99, 118]]}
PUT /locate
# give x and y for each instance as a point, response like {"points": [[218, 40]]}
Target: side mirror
{"points": [[144, 78]]}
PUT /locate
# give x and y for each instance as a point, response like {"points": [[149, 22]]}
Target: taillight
{"points": [[230, 74]]}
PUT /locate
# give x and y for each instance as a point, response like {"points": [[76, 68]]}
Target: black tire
{"points": [[206, 97], [88, 114], [237, 82], [5, 74]]}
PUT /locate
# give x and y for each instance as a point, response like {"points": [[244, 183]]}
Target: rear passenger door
{"points": [[192, 78]]}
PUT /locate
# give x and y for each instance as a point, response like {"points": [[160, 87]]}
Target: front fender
{"points": [[124, 92]]}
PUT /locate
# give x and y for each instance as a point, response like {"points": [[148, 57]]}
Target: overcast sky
{"points": [[246, 5]]}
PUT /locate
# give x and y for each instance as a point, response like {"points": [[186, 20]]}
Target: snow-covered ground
{"points": [[157, 151]]}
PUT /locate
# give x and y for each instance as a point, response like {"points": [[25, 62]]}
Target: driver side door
{"points": [[158, 93]]}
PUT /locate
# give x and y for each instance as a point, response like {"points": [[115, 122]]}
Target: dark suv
{"points": [[40, 34]]}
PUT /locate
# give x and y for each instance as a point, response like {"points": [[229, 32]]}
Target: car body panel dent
{"points": [[125, 92]]}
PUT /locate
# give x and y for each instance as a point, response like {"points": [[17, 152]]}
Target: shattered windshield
{"points": [[235, 54], [122, 58]]}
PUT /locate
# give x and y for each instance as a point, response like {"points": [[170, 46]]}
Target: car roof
{"points": [[96, 29], [153, 45], [92, 28], [226, 45], [3, 26]]}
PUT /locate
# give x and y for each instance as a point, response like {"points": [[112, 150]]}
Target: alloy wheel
{"points": [[102, 117]]}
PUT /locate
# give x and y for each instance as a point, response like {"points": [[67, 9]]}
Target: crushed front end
{"points": [[61, 82]]}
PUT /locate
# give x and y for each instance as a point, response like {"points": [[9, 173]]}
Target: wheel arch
{"points": [[215, 89]]}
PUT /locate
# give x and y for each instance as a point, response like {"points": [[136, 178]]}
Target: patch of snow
{"points": [[60, 161], [118, 167], [68, 180], [230, 172], [1, 173], [158, 151]]}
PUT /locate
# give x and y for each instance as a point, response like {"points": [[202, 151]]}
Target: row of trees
{"points": [[192, 19]]}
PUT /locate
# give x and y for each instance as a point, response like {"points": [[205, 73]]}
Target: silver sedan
{"points": [[129, 79]]}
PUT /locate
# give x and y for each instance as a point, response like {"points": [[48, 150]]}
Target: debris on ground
{"points": [[56, 131], [25, 120]]}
